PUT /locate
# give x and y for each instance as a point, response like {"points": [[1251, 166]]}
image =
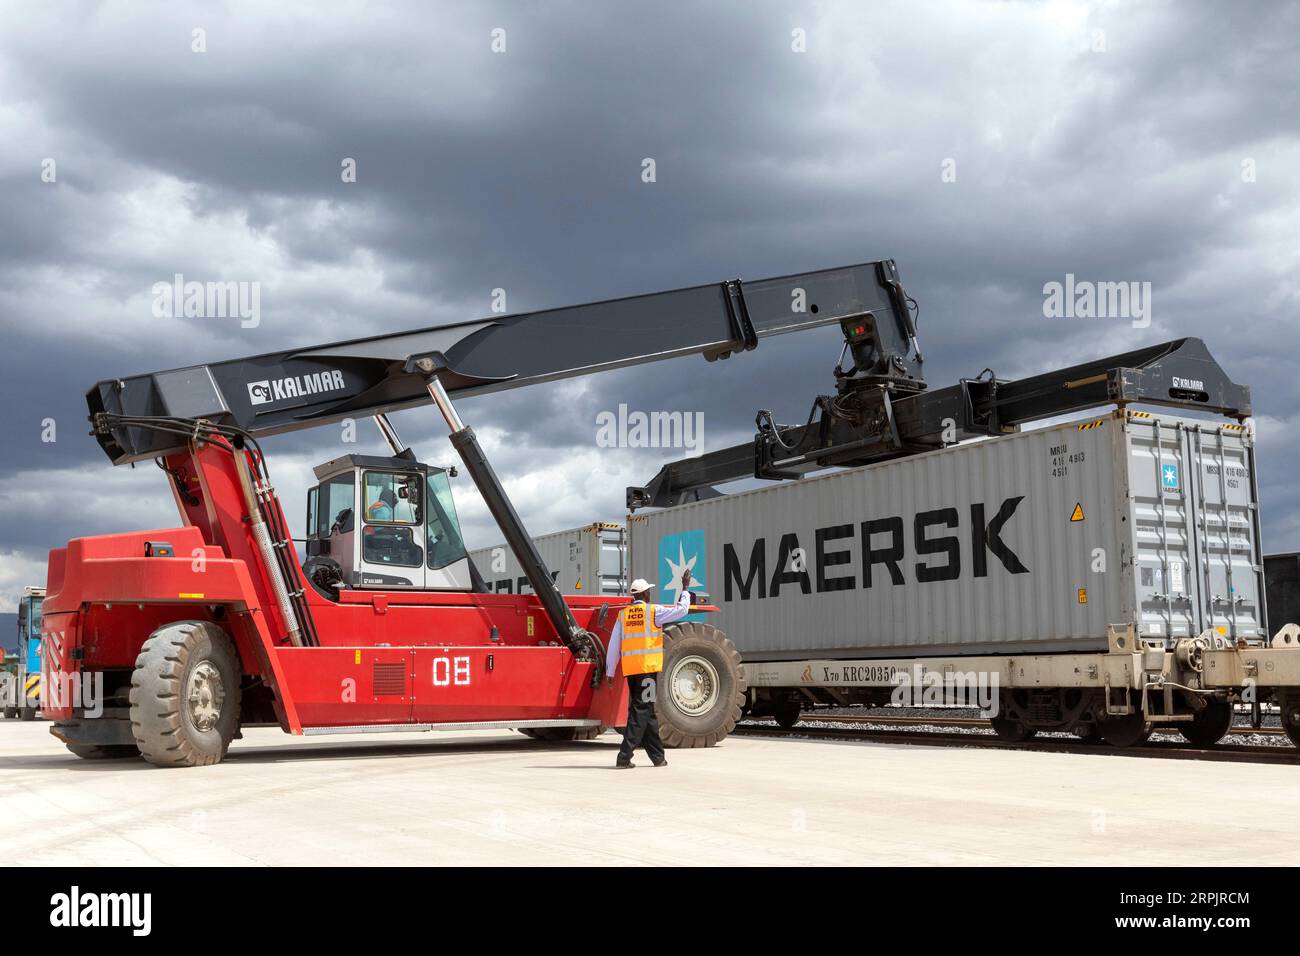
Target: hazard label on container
{"points": [[1077, 513], [1083, 595]]}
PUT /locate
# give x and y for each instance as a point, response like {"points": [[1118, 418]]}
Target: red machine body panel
{"points": [[384, 657]]}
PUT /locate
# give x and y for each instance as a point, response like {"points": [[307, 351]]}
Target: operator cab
{"points": [[384, 523]]}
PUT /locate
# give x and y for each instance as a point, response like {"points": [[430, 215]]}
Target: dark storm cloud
{"points": [[521, 170]]}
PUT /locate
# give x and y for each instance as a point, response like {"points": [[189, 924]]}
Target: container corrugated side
{"points": [[587, 560], [1024, 543]]}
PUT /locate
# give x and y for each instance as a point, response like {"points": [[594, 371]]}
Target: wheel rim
{"points": [[693, 684], [204, 694]]}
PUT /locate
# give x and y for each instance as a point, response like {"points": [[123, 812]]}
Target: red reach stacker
{"points": [[163, 643]]}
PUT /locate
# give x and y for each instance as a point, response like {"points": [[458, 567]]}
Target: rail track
{"points": [[860, 729]]}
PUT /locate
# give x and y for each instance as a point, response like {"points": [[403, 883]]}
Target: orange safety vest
{"points": [[643, 641]]}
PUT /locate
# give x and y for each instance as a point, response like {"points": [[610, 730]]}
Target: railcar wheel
{"points": [[185, 695], [1015, 731], [1087, 731], [787, 713], [1208, 727], [103, 751], [1127, 731], [1291, 717], [701, 690]]}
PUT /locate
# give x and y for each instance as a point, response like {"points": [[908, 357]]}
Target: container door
{"points": [[1168, 594], [1222, 498], [612, 549]]}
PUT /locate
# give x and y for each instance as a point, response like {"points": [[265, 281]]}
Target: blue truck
{"points": [[22, 695]]}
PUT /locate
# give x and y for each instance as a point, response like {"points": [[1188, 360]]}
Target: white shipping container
{"points": [[587, 560], [1027, 543]]}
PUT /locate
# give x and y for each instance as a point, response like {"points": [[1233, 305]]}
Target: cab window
{"points": [[313, 500], [445, 544], [334, 506], [392, 498], [392, 509]]}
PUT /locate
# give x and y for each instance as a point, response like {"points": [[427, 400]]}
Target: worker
{"points": [[382, 510], [637, 640]]}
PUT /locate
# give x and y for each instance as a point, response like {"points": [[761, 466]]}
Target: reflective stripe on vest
{"points": [[643, 641]]}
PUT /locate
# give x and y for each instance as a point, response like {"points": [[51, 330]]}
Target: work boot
{"points": [[619, 765], [662, 762]]}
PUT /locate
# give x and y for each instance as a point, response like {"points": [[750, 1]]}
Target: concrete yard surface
{"points": [[495, 798]]}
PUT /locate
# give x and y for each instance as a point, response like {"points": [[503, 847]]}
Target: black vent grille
{"points": [[390, 680]]}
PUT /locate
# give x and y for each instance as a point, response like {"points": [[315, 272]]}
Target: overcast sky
{"points": [[989, 148]]}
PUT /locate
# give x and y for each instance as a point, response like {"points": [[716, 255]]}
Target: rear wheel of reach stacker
{"points": [[701, 689], [185, 695], [1208, 727]]}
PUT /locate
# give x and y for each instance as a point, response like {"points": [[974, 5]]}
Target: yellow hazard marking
{"points": [[1088, 425], [1077, 513], [358, 658], [32, 681], [187, 594], [1139, 414], [1083, 595], [530, 625]]}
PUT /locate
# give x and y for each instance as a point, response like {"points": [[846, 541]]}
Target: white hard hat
{"points": [[640, 586]]}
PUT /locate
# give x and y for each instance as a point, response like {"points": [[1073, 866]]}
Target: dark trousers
{"points": [[642, 724]]}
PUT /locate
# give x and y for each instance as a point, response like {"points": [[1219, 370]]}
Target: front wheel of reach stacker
{"points": [[701, 688], [185, 695]]}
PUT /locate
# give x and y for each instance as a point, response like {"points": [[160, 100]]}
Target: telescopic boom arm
{"points": [[301, 388]]}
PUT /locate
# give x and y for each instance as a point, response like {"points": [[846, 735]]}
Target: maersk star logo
{"points": [[678, 568], [679, 553], [1169, 476]]}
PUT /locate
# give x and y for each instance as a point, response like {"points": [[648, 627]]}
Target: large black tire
{"points": [[11, 712], [1127, 731], [553, 734], [185, 695], [27, 713], [1015, 731], [710, 689], [103, 751], [1210, 725]]}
